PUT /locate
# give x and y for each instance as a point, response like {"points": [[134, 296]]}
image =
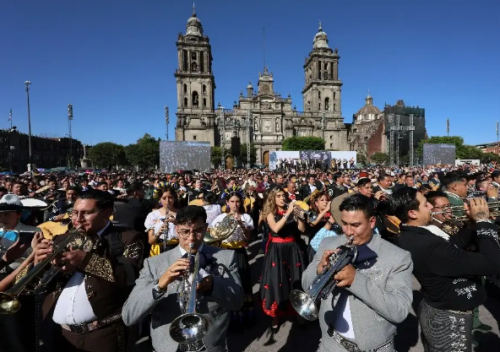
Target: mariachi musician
{"points": [[62, 207], [100, 260]]}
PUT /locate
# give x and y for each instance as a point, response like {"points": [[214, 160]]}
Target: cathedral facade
{"points": [[261, 116]]}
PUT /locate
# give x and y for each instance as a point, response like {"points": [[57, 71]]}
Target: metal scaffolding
{"points": [[395, 135]]}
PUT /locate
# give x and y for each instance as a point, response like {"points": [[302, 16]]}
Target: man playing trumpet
{"points": [[445, 271], [373, 294], [98, 271], [160, 286]]}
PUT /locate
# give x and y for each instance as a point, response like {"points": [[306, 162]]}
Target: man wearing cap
{"points": [[11, 209]]}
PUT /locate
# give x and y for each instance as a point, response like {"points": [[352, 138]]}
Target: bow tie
{"points": [[364, 254], [205, 260], [291, 196]]}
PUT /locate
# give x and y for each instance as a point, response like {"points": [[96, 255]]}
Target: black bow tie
{"points": [[364, 254], [205, 260]]}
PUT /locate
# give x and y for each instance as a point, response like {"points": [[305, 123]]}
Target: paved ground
{"points": [[294, 337]]}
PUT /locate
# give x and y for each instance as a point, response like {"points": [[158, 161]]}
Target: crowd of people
{"points": [[119, 249]]}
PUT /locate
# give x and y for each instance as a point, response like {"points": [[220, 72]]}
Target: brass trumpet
{"points": [[306, 304], [458, 212], [190, 327], [9, 303]]}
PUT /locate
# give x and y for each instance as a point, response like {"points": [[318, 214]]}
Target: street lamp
{"points": [[70, 119], [11, 147], [30, 163]]}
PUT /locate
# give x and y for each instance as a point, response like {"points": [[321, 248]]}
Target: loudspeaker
{"points": [[235, 146]]}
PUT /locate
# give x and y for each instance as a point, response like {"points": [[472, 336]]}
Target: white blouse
{"points": [[155, 221], [238, 235], [213, 211]]}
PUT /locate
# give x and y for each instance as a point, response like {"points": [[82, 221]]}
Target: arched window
{"points": [[327, 104], [319, 106], [194, 67], [195, 99], [185, 88], [334, 107], [204, 102], [334, 95], [319, 95], [204, 89], [185, 102]]}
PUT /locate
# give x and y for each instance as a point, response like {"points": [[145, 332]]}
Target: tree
{"points": [[145, 153], [361, 158], [243, 154], [379, 158], [107, 155], [215, 156], [303, 143], [462, 151], [487, 158]]}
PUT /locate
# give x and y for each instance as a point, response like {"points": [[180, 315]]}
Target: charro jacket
{"points": [[106, 278]]}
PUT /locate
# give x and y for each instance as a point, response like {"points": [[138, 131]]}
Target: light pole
{"points": [[222, 125], [166, 119], [70, 119], [30, 164]]}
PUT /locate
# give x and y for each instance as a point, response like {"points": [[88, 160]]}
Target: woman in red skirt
{"points": [[284, 260]]}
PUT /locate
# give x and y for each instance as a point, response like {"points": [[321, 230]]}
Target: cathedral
{"points": [[260, 116]]}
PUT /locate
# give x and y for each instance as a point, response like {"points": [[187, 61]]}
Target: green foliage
{"points": [[468, 152], [216, 158], [463, 151], [243, 154], [379, 158], [303, 143], [107, 155], [145, 153], [487, 158], [361, 158]]}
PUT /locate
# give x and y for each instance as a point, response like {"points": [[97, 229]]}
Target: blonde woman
{"points": [[160, 223], [284, 260]]}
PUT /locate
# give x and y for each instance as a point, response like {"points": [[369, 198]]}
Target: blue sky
{"points": [[114, 60]]}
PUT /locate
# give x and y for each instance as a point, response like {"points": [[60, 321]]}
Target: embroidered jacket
{"points": [[447, 273], [106, 280]]}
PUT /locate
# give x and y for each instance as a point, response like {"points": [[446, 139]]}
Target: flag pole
{"points": [[10, 118]]}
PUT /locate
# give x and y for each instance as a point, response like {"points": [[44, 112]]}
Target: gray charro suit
{"points": [[227, 295], [380, 296]]}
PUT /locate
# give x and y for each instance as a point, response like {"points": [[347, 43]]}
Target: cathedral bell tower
{"points": [[322, 90], [195, 85]]}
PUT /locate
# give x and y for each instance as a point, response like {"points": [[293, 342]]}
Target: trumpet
{"points": [[190, 327], [458, 212], [301, 211], [9, 302], [306, 304]]}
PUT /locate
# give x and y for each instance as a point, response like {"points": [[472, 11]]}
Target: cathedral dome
{"points": [[194, 26], [320, 39], [368, 112]]}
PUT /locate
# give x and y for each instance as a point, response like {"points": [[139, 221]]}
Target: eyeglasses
{"points": [[86, 214], [185, 233]]}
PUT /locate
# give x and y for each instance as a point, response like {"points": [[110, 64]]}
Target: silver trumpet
{"points": [[307, 304], [190, 327]]}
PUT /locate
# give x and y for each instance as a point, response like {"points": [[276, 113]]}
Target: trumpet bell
{"points": [[304, 305], [9, 304], [189, 328]]}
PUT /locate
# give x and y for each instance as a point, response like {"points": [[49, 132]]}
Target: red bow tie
{"points": [[291, 196]]}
